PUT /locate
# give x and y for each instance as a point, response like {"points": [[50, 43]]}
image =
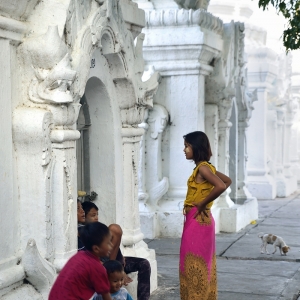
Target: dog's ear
{"points": [[289, 247]]}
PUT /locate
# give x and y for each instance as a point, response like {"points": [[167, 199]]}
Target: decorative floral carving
{"points": [[39, 272], [244, 97], [53, 72], [193, 4], [157, 185], [157, 120], [184, 17]]}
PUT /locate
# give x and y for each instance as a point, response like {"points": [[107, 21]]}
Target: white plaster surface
{"points": [[47, 64], [52, 53]]}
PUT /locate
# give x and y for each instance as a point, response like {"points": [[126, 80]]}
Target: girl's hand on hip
{"points": [[201, 210]]}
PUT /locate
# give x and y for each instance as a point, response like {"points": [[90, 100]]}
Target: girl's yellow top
{"points": [[197, 192]]}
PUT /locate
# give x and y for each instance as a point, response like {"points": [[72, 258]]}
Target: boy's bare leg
{"points": [[116, 232]]}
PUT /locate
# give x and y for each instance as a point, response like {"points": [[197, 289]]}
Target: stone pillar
{"points": [[225, 108], [11, 272], [272, 142], [156, 184], [243, 193], [131, 229], [227, 90], [280, 178], [132, 239], [289, 144], [295, 163], [143, 195], [180, 44], [261, 73]]}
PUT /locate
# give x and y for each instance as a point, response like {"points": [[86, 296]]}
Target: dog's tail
{"points": [[260, 235]]}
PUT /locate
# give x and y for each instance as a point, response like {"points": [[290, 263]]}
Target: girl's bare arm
{"points": [[224, 178], [220, 183]]}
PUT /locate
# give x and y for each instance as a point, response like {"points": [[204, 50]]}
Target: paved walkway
{"points": [[244, 273]]}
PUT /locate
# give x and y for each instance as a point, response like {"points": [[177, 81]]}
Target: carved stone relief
{"points": [[156, 184], [38, 271]]}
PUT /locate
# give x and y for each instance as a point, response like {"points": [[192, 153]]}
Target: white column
{"points": [[9, 221], [132, 239], [289, 143], [131, 229], [280, 179], [225, 108], [295, 163], [180, 46], [260, 183], [243, 193]]}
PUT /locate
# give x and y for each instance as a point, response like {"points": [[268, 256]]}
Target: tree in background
{"points": [[290, 9]]}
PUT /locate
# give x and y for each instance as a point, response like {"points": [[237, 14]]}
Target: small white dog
{"points": [[277, 241]]}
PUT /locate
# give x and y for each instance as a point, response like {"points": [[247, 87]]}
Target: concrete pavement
{"points": [[243, 272]]}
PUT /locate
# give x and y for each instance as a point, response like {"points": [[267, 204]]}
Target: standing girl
{"points": [[197, 267]]}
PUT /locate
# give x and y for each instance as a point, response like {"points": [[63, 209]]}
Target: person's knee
{"points": [[116, 230], [145, 266]]}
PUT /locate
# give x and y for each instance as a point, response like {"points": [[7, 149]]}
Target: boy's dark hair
{"points": [[93, 234], [200, 145], [88, 205], [113, 266]]}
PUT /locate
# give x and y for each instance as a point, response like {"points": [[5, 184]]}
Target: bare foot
{"points": [[127, 279]]}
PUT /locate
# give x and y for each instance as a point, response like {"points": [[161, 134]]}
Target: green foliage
{"points": [[290, 9]]}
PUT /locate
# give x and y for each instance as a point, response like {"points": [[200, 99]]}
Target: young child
{"points": [[197, 250], [83, 274], [115, 274], [131, 264]]}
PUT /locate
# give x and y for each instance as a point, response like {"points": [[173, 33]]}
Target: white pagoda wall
{"points": [[183, 51], [271, 170], [39, 94]]}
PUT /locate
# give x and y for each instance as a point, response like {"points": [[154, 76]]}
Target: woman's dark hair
{"points": [[93, 234], [200, 145], [113, 266]]}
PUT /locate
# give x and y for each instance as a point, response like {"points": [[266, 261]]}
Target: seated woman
{"points": [[131, 264]]}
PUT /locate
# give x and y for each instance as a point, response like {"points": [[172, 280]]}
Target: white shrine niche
{"points": [[270, 170], [295, 94], [55, 57], [181, 42], [153, 186], [229, 108]]}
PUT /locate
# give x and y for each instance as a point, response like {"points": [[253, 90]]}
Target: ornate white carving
{"points": [[143, 195], [56, 66], [106, 29], [193, 4], [40, 273], [19, 10], [184, 17], [47, 148], [53, 72], [158, 117], [156, 184]]}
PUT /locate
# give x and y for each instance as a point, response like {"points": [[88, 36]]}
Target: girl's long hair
{"points": [[200, 145]]}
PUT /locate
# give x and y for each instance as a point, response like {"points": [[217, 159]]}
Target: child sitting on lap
{"points": [[131, 264], [83, 274], [115, 272]]}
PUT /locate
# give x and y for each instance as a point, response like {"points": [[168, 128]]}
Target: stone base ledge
{"points": [[237, 217], [262, 187], [286, 187], [23, 292], [141, 250], [170, 224]]}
